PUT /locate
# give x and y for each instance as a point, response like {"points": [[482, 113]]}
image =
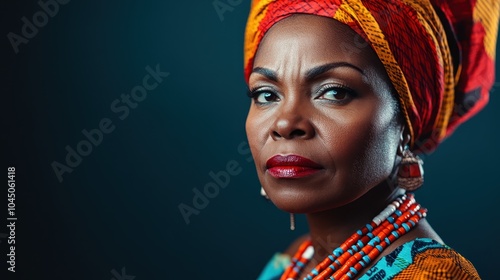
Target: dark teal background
{"points": [[119, 207]]}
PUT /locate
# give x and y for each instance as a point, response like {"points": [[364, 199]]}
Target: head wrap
{"points": [[438, 54]]}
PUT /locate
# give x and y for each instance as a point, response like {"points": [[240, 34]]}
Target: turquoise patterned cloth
{"points": [[386, 268]]}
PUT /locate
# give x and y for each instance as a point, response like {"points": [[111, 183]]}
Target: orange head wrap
{"points": [[438, 54]]}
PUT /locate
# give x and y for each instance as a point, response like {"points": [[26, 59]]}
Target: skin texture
{"points": [[346, 119]]}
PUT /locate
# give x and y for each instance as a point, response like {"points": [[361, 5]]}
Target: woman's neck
{"points": [[329, 229]]}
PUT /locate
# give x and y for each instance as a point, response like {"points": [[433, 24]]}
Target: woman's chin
{"points": [[300, 205]]}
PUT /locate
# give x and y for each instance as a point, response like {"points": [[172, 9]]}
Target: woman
{"points": [[344, 95]]}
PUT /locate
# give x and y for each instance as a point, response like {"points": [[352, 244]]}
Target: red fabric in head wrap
{"points": [[438, 54]]}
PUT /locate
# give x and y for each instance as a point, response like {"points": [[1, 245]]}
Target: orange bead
{"points": [[324, 274]]}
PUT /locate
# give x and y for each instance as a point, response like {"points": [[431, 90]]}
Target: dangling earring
{"points": [[292, 216], [411, 171], [292, 221], [263, 193]]}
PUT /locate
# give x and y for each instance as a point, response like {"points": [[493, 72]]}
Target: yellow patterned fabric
{"points": [[437, 264]]}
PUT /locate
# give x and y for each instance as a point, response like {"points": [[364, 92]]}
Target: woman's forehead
{"points": [[297, 44], [312, 40]]}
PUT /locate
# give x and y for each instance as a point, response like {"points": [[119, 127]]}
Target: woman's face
{"points": [[323, 125]]}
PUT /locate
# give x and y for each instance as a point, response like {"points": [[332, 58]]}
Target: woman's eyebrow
{"points": [[310, 74], [268, 73], [318, 70]]}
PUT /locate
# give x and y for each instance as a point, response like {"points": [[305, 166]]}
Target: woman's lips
{"points": [[291, 166]]}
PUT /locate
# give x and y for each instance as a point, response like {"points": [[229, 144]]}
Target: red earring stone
{"points": [[411, 171]]}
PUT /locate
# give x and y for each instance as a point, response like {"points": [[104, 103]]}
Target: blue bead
{"points": [[359, 232], [373, 241], [406, 227], [395, 234], [314, 271], [331, 258], [398, 212], [337, 252], [370, 228], [390, 219], [360, 244], [379, 248], [353, 270], [367, 259]]}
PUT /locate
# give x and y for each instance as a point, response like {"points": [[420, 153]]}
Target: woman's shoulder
{"points": [[422, 258]]}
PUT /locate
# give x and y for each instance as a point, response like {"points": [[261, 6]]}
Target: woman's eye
{"points": [[265, 97], [336, 93]]}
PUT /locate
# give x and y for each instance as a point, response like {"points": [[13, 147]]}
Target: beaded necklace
{"points": [[364, 246]]}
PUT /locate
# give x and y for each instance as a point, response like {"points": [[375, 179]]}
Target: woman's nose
{"points": [[292, 123]]}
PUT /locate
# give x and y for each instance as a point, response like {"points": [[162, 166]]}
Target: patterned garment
{"points": [[421, 258], [439, 54]]}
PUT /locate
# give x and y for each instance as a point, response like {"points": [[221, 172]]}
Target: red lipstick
{"points": [[291, 166]]}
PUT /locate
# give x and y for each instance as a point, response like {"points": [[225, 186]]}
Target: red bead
{"points": [[324, 274]]}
